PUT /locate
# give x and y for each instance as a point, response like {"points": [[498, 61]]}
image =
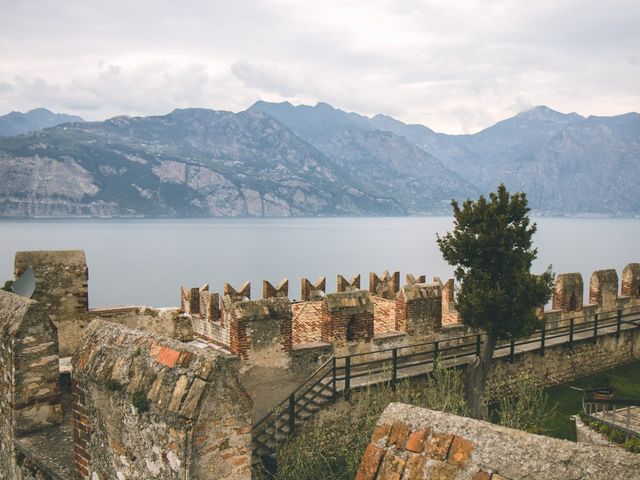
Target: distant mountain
{"points": [[276, 159], [380, 160], [566, 163], [15, 123], [192, 162]]}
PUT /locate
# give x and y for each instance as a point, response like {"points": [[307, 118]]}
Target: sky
{"points": [[455, 66]]}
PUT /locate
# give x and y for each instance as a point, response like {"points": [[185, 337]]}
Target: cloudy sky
{"points": [[456, 66]]}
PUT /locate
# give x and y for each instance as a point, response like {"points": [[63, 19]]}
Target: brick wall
{"points": [[631, 280], [419, 309], [280, 290], [312, 291], [603, 289], [385, 286], [82, 430], [347, 316], [568, 292]]}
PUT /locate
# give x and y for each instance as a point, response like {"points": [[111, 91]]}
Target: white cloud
{"points": [[454, 66]]}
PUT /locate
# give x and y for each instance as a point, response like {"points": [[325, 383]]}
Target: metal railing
{"points": [[391, 364], [616, 413]]}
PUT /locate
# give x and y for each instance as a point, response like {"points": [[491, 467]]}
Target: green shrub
{"points": [[330, 446], [527, 409], [7, 286], [140, 401], [633, 445], [604, 429], [616, 436]]}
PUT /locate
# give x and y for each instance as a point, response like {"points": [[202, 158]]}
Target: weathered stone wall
{"points": [[146, 406], [260, 332], [162, 321], [603, 289], [419, 309], [30, 398], [62, 290], [347, 316], [568, 292], [631, 280], [562, 365], [385, 286], [415, 443]]}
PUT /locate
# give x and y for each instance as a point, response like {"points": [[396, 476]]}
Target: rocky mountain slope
{"points": [[567, 164], [276, 159], [15, 123], [191, 162]]}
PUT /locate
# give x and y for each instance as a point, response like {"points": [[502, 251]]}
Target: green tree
{"points": [[491, 249]]}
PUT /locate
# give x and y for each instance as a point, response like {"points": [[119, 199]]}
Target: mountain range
{"points": [[277, 159], [15, 123]]}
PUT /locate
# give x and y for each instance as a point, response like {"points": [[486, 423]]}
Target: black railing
{"points": [[391, 364]]}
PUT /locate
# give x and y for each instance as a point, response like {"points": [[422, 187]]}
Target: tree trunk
{"points": [[476, 375]]}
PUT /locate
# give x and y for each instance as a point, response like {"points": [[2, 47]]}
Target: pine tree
{"points": [[491, 249]]}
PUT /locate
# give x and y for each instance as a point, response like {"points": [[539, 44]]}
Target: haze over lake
{"points": [[144, 262]]}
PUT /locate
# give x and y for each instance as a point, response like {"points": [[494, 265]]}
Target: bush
{"points": [[617, 436], [527, 410], [604, 429], [7, 287], [330, 446], [633, 445]]}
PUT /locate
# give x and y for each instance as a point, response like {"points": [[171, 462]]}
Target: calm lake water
{"points": [[146, 261]]}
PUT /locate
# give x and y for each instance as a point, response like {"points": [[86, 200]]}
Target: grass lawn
{"points": [[625, 380]]}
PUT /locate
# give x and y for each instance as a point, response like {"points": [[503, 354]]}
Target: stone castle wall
{"points": [[62, 290], [416, 443], [150, 407], [29, 375]]}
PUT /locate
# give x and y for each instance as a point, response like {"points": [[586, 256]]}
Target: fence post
{"points": [[347, 378], [595, 328], [618, 322], [543, 333], [478, 341], [628, 422], [292, 413], [334, 390], [571, 334], [394, 368], [512, 350], [436, 351]]}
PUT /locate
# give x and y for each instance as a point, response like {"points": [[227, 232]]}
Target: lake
{"points": [[144, 262]]}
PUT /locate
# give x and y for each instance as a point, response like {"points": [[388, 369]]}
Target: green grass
{"points": [[625, 380]]}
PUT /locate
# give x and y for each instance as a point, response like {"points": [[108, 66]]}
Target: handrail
{"points": [[329, 369]]}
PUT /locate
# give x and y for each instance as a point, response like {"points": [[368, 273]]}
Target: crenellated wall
{"points": [[347, 317], [385, 286], [568, 293], [603, 289], [419, 309]]}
